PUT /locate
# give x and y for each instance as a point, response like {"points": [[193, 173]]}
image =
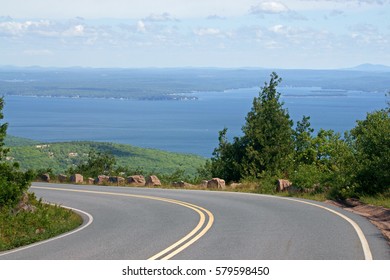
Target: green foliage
{"points": [[306, 177], [12, 141], [371, 144], [268, 133], [3, 133], [303, 141], [97, 163], [12, 182], [359, 164], [266, 183], [129, 159], [227, 158], [204, 171], [267, 143], [46, 221]]}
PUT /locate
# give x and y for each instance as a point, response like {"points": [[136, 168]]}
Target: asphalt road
{"points": [[140, 223]]}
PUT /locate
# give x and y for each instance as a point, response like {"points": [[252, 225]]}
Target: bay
{"points": [[189, 126]]}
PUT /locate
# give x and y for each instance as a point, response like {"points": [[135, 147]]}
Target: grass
{"points": [[25, 228], [378, 200]]}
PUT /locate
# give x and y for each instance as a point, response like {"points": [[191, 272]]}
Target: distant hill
{"points": [[371, 68], [60, 156]]}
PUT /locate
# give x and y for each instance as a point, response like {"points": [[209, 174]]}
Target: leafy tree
{"points": [[227, 158], [12, 182], [97, 163], [371, 143]]}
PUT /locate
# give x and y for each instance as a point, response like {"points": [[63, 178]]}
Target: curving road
{"points": [[140, 223]]}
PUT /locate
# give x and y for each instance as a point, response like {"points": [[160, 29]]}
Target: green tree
{"points": [[12, 182], [371, 143], [303, 141], [227, 158], [3, 133], [267, 143], [268, 134], [97, 163]]}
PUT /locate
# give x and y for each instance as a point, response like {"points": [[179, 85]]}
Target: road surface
{"points": [[142, 223]]}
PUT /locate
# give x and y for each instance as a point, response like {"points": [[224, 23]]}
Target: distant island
{"points": [[177, 83]]}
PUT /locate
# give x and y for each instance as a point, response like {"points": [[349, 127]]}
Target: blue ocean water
{"points": [[180, 126]]}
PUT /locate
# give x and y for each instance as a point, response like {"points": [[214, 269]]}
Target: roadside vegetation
{"points": [[321, 165], [23, 218]]}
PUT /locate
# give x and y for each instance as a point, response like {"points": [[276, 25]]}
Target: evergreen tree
{"points": [[268, 134], [267, 143], [303, 140]]}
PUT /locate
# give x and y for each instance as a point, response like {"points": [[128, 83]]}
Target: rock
{"points": [[283, 185], [204, 184], [24, 205], [181, 184], [77, 179], [136, 180], [62, 178], [91, 181], [216, 183], [45, 177], [40, 230], [101, 179], [152, 181], [116, 180]]}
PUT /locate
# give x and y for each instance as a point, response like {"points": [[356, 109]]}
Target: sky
{"points": [[291, 34]]}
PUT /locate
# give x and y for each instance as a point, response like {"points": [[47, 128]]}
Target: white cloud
{"points": [[160, 17], [207, 31], [275, 30], [279, 28], [269, 7], [74, 31], [13, 28], [141, 27]]}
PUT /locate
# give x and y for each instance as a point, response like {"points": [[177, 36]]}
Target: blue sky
{"points": [[316, 34]]}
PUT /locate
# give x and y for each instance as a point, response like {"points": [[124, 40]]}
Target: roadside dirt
{"points": [[377, 215]]}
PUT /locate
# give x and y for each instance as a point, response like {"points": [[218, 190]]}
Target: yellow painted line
{"points": [[184, 242], [193, 240]]}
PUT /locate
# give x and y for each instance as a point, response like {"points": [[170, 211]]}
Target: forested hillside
{"points": [[60, 156]]}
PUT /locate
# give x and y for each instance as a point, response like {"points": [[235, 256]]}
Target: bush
{"points": [[12, 184], [306, 177], [372, 151]]}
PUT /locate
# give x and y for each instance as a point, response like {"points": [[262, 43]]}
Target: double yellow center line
{"points": [[206, 220]]}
